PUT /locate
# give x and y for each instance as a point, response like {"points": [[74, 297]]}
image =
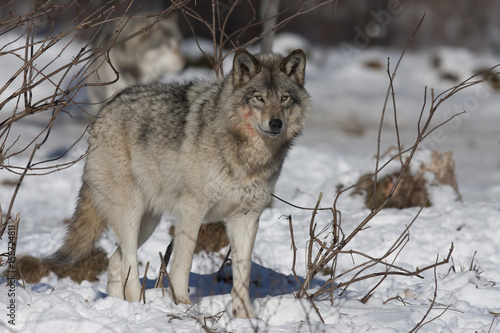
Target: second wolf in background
{"points": [[143, 59]]}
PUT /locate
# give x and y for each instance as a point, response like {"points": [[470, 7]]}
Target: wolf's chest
{"points": [[228, 197]]}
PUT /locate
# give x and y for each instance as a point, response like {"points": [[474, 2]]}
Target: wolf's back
{"points": [[84, 230]]}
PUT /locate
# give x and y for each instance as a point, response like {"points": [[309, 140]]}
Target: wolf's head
{"points": [[269, 91]]}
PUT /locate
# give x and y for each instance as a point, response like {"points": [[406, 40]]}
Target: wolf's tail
{"points": [[84, 230]]}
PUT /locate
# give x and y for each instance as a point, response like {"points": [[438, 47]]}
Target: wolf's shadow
{"points": [[263, 282]]}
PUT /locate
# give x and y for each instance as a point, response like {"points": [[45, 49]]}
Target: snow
{"points": [[338, 145]]}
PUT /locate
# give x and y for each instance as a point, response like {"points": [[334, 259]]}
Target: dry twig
{"points": [[225, 43], [421, 323], [44, 87], [143, 286]]}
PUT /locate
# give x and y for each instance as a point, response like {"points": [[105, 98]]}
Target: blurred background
{"points": [[473, 24]]}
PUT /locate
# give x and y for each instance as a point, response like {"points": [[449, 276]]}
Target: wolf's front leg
{"points": [[241, 231], [115, 285], [186, 234]]}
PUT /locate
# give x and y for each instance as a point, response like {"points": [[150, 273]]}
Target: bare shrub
{"points": [[412, 190], [44, 87], [225, 43], [325, 247]]}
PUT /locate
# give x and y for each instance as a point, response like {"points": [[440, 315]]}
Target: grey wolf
{"points": [[202, 151], [142, 59]]}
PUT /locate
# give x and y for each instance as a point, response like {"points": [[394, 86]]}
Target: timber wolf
{"points": [[142, 59], [202, 151]]}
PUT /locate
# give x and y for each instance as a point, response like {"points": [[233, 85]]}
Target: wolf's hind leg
{"points": [[122, 268], [149, 222], [116, 267]]}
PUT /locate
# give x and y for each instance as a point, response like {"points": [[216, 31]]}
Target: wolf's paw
{"points": [[183, 300]]}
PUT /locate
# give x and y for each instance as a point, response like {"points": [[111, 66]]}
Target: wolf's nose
{"points": [[276, 125]]}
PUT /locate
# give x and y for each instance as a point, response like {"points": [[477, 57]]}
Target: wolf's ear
{"points": [[294, 66], [245, 67]]}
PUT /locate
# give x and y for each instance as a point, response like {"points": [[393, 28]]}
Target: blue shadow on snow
{"points": [[263, 282]]}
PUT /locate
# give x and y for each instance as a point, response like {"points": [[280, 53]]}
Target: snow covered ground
{"points": [[338, 146]]}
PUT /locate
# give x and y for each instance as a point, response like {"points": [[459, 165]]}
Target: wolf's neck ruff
{"points": [[200, 151]]}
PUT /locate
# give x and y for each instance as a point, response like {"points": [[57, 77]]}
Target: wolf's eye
{"points": [[259, 98], [284, 98]]}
